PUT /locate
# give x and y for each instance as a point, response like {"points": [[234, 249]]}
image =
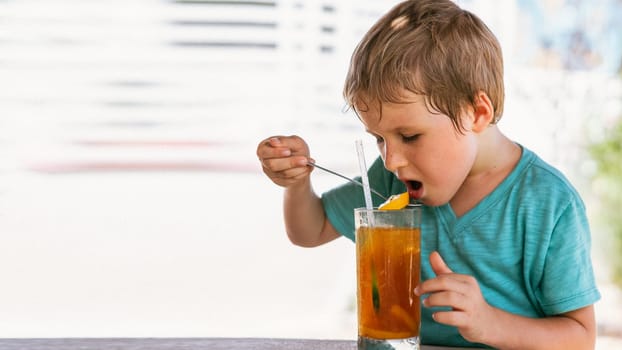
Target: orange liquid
{"points": [[388, 270]]}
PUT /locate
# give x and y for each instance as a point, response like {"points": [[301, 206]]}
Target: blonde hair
{"points": [[432, 48]]}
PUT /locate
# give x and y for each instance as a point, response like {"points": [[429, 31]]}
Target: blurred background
{"points": [[131, 199]]}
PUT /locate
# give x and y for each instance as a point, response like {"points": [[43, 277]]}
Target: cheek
{"points": [[449, 163]]}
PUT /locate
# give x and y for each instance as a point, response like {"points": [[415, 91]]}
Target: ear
{"points": [[483, 112]]}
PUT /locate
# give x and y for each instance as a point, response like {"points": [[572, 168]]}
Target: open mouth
{"points": [[415, 189]]}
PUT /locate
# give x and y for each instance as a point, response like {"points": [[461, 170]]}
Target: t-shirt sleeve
{"points": [[568, 281]]}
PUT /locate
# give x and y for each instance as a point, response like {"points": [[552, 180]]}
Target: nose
{"points": [[394, 157]]}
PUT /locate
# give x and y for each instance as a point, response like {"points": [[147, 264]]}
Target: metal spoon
{"points": [[347, 178]]}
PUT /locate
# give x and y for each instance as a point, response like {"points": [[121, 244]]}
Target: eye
{"points": [[410, 138]]}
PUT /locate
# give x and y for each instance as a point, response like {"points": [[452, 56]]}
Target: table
{"points": [[180, 344]]}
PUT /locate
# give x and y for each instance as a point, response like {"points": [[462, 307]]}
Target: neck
{"points": [[496, 153], [497, 156]]}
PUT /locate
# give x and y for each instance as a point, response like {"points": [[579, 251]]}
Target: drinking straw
{"points": [[371, 221], [363, 168]]}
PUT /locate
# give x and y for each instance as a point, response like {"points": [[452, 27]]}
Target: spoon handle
{"points": [[346, 178]]}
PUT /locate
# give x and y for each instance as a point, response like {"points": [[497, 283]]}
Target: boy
{"points": [[506, 234]]}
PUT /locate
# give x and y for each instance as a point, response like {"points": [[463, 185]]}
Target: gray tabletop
{"points": [[180, 344]]}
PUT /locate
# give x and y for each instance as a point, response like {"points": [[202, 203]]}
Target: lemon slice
{"points": [[404, 316], [395, 202]]}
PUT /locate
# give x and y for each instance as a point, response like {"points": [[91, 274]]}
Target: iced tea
{"points": [[388, 270]]}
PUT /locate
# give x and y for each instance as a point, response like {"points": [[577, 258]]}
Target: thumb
{"points": [[438, 264]]}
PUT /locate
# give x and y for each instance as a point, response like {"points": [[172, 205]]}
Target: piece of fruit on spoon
{"points": [[395, 202]]}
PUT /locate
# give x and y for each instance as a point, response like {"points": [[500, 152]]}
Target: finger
{"points": [[453, 299], [289, 177], [279, 164], [451, 318], [438, 264], [439, 267], [272, 148], [295, 143], [445, 282], [274, 141]]}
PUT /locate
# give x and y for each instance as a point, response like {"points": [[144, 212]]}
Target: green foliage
{"points": [[608, 186]]}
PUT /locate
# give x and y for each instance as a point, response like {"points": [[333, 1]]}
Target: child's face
{"points": [[422, 148]]}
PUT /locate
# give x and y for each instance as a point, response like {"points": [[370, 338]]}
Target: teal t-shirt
{"points": [[527, 243]]}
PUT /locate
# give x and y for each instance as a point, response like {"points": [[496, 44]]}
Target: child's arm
{"points": [[479, 322], [284, 161]]}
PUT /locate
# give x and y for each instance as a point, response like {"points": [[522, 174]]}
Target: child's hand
{"points": [[284, 159], [470, 313]]}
